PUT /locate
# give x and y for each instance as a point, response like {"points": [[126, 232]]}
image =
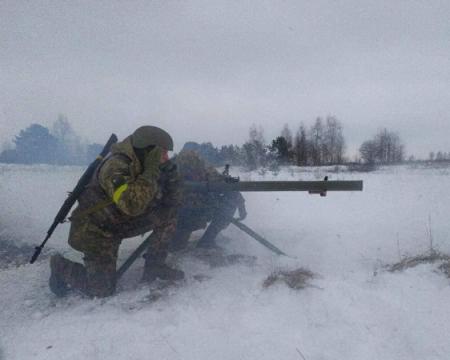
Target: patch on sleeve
{"points": [[118, 193]]}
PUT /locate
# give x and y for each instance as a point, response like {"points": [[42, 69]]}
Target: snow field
{"points": [[353, 310]]}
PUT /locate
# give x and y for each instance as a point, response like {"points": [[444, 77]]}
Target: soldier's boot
{"points": [[101, 277], [207, 241], [180, 240], [156, 268], [66, 275]]}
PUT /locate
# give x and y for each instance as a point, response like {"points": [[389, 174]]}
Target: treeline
{"points": [[439, 156], [59, 145], [316, 144], [322, 143]]}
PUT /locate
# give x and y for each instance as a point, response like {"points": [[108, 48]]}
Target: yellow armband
{"points": [[118, 193]]}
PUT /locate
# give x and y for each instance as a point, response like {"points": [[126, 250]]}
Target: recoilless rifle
{"points": [[231, 183]]}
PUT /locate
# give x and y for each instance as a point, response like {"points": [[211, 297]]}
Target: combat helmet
{"points": [[191, 166], [147, 135]]}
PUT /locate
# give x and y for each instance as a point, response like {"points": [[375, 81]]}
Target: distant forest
{"points": [[321, 143], [59, 145]]}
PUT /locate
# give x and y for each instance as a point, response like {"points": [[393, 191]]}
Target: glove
{"points": [[151, 164], [168, 169], [169, 182]]}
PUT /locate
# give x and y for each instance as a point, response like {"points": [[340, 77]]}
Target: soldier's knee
{"points": [[76, 238], [79, 238]]}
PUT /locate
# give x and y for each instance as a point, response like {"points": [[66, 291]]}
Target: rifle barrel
{"points": [[313, 186]]}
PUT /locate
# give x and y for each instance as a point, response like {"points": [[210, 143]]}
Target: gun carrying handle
{"points": [[322, 193]]}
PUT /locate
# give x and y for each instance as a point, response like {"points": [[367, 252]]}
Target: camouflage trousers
{"points": [[197, 211], [100, 248], [217, 213]]}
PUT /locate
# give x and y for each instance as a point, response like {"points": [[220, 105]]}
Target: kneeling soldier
{"points": [[199, 209], [134, 190]]}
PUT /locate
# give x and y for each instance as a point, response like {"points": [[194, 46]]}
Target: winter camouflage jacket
{"points": [[119, 199]]}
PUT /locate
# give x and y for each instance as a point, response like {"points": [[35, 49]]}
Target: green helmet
{"points": [[191, 166], [146, 136]]}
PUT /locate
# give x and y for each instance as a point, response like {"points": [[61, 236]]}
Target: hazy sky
{"points": [[207, 70]]}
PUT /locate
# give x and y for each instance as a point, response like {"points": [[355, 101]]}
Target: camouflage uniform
{"points": [[119, 203], [198, 209]]}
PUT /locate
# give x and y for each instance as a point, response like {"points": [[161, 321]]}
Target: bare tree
{"points": [[390, 147], [333, 146], [287, 134], [301, 146], [316, 142], [385, 148], [70, 147], [368, 151], [440, 156], [255, 148]]}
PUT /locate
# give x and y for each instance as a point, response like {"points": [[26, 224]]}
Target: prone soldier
{"points": [[134, 190]]}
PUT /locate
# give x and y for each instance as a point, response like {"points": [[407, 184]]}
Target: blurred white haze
{"points": [[206, 71]]}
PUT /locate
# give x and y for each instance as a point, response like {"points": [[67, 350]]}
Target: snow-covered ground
{"points": [[353, 310]]}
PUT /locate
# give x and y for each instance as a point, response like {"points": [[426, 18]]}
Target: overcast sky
{"points": [[207, 70]]}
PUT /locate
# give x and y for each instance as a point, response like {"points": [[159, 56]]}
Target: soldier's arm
{"points": [[170, 184], [132, 196]]}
